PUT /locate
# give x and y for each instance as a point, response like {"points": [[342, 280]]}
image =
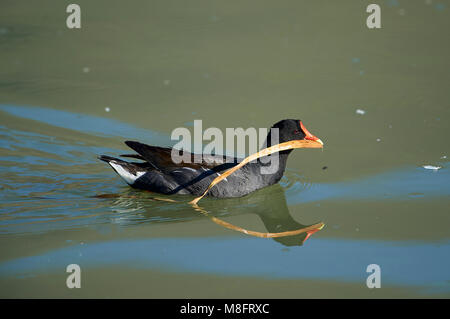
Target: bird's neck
{"points": [[272, 170]]}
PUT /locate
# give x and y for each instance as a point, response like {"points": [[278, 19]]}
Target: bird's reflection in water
{"points": [[268, 204], [275, 215]]}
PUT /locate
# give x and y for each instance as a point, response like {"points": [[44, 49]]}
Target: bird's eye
{"points": [[296, 132]]}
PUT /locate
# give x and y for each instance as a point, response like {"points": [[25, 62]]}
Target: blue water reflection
{"points": [[99, 126], [401, 184], [402, 263]]}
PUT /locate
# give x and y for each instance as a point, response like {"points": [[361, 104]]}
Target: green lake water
{"points": [[139, 69]]}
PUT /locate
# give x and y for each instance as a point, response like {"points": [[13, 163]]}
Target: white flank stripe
{"points": [[127, 176], [225, 179]]}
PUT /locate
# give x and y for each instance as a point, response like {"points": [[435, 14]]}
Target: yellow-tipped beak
{"points": [[309, 136]]}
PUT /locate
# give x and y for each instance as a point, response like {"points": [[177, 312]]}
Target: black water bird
{"points": [[157, 171]]}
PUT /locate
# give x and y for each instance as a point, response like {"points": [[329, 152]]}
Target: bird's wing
{"points": [[161, 157]]}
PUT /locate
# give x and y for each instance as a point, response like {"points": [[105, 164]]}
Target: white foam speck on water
{"points": [[435, 168], [86, 69], [444, 157], [107, 109], [378, 139], [360, 112]]}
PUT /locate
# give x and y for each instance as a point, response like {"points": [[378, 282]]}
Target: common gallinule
{"points": [[159, 173]]}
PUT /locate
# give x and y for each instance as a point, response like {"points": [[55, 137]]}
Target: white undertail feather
{"points": [[128, 177]]}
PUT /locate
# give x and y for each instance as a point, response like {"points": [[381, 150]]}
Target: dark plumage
{"points": [[158, 173]]}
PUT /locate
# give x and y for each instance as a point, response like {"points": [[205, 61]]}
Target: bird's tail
{"points": [[128, 171]]}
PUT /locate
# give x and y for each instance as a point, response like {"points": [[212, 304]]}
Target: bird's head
{"points": [[291, 130]]}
